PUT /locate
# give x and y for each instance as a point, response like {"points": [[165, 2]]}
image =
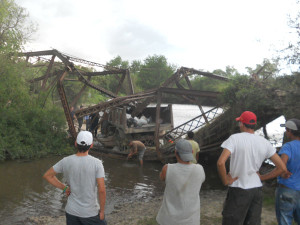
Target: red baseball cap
{"points": [[247, 117]]}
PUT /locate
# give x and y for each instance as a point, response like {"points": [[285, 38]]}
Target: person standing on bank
{"points": [[195, 146], [84, 176], [243, 204], [181, 201], [80, 121], [137, 147], [72, 112], [288, 190]]}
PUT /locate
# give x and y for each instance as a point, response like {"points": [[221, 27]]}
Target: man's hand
{"points": [[68, 191], [286, 175], [101, 215], [229, 179]]}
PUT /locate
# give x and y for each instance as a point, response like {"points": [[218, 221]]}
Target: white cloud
{"points": [[195, 33]]}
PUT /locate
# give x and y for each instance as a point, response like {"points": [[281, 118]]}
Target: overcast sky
{"points": [[202, 34]]}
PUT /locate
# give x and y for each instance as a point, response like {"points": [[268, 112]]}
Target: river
{"points": [[24, 194]]}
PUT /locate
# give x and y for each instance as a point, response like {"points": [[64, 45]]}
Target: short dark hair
{"points": [[294, 132], [83, 148], [190, 134], [249, 126]]}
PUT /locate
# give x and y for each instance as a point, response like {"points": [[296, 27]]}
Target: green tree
{"points": [[30, 125], [265, 70], [292, 51], [15, 28], [154, 72]]}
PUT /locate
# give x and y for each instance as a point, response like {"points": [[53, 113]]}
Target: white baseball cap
{"points": [[84, 138]]}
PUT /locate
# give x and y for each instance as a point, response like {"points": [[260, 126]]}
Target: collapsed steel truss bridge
{"points": [[72, 65]]}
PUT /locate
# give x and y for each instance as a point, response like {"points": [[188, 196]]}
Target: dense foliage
{"points": [[29, 125]]}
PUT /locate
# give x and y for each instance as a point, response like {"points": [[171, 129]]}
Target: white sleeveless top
{"points": [[181, 201]]}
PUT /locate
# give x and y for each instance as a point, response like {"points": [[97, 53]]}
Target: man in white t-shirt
{"points": [[84, 176], [248, 151], [181, 201]]}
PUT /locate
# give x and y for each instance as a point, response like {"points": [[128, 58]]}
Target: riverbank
{"points": [[144, 213]]}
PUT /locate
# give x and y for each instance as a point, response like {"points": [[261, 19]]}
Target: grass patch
{"points": [[269, 197]]}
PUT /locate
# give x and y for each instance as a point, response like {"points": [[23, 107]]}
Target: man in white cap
{"points": [[243, 204], [181, 201], [84, 175], [288, 190]]}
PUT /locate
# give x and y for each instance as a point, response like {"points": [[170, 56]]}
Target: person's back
{"points": [[292, 150], [248, 152], [288, 189], [81, 173], [181, 202], [84, 175]]}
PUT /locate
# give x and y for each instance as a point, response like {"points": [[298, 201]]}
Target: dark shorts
{"points": [[76, 220], [242, 206]]}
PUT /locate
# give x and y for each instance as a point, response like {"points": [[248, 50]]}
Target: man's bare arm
{"points": [[280, 168], [163, 173], [285, 158], [102, 196], [50, 176], [226, 178]]}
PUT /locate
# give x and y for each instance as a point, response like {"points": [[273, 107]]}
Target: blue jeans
{"points": [[287, 206], [76, 220]]}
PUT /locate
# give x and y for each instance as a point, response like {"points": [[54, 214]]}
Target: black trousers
{"points": [[242, 206], [75, 220]]}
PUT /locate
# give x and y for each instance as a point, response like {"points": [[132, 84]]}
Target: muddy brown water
{"points": [[24, 194]]}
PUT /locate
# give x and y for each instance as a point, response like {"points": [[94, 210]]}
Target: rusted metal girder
{"points": [[157, 125], [100, 89], [47, 52], [43, 77], [195, 101], [191, 98], [119, 101], [206, 74], [48, 71], [65, 105], [195, 93], [144, 104], [177, 76], [70, 68], [75, 100], [129, 81], [120, 83], [65, 59]]}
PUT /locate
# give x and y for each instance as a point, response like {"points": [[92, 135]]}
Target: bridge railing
{"points": [[192, 124]]}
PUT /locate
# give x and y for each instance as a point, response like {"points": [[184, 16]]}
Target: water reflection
{"points": [[23, 192]]}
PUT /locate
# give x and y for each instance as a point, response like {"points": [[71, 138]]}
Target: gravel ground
{"points": [[131, 213]]}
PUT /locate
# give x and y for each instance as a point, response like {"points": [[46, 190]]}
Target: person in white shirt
{"points": [[84, 176], [181, 201], [248, 151]]}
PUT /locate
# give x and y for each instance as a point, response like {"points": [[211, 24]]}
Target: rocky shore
{"points": [[136, 212]]}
